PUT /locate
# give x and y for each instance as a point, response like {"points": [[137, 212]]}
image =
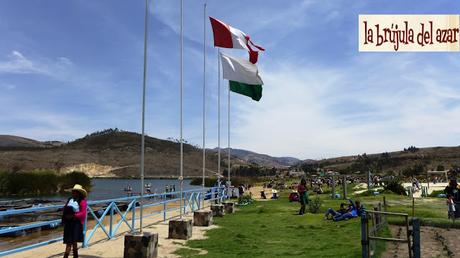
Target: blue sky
{"points": [[68, 68]]}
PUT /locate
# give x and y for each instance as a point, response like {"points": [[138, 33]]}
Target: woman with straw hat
{"points": [[73, 219]]}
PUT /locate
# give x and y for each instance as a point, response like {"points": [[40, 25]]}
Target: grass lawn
{"points": [[272, 229]]}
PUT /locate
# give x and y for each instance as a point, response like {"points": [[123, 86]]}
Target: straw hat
{"points": [[80, 189]]}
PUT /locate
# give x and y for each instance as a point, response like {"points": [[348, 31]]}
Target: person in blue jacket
{"points": [[355, 210]]}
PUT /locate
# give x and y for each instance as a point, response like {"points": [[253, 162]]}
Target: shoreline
{"points": [[147, 177], [119, 192]]}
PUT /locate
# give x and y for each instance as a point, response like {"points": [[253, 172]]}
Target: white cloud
{"points": [[376, 104], [18, 63]]}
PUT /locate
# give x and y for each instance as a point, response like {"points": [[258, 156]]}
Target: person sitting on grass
{"points": [[355, 210], [342, 210]]}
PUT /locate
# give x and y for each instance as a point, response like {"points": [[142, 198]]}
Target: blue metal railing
{"points": [[99, 210]]}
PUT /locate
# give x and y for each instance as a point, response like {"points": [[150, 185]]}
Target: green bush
{"points": [[70, 179], [246, 198], [40, 182], [435, 193], [315, 204], [395, 186], [28, 183], [208, 182]]}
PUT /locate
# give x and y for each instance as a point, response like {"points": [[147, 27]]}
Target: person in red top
{"points": [[73, 219], [302, 190]]}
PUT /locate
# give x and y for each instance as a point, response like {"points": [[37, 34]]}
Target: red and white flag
{"points": [[228, 37]]}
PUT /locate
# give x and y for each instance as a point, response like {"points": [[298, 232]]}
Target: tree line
{"points": [[40, 182]]}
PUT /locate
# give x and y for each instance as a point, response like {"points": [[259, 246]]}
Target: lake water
{"points": [[113, 188], [102, 189], [108, 188]]}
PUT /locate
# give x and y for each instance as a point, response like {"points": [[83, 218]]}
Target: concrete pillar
{"points": [[229, 207], [143, 245], [180, 228], [202, 218], [217, 210]]}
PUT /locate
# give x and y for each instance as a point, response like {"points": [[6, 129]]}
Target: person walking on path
{"points": [[303, 197], [73, 219]]}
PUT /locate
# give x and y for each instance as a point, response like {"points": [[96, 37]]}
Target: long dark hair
{"points": [[303, 182]]}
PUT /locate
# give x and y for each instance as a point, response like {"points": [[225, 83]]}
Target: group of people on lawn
{"points": [[345, 212]]}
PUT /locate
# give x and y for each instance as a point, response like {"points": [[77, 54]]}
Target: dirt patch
{"points": [[435, 242], [255, 193]]}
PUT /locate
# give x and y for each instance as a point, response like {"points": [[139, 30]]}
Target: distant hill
{"points": [[409, 161], [261, 159], [109, 153], [11, 141], [16, 141]]}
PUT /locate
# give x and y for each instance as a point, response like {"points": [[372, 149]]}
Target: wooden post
{"points": [[385, 209], [344, 185], [408, 237], [364, 241], [368, 180], [377, 216], [427, 180], [416, 237], [333, 187]]}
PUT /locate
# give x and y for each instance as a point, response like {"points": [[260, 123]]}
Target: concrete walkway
{"points": [[100, 246]]}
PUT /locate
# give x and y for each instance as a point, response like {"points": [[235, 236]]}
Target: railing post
{"points": [[85, 226], [416, 237], [111, 220], [184, 205], [133, 219], [364, 241], [224, 194], [164, 209]]}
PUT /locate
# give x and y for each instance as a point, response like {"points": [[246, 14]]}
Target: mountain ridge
{"points": [[109, 153], [261, 159]]}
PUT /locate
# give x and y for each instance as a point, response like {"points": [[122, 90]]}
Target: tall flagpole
{"points": [[204, 100], [146, 19], [228, 136], [218, 118], [181, 178]]}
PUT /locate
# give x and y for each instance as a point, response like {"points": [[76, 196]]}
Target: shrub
{"points": [[246, 198], [436, 193], [315, 204], [69, 180], [40, 182], [208, 182], [395, 186], [28, 183]]}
